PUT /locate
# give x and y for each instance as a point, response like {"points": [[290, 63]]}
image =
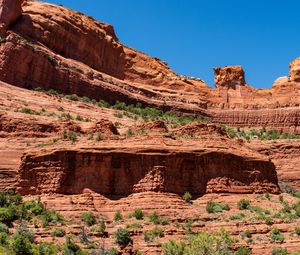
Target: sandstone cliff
{"points": [[92, 62]]}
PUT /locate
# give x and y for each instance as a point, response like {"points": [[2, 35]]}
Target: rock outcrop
{"points": [[92, 62], [10, 11], [122, 171], [295, 70], [229, 77]]}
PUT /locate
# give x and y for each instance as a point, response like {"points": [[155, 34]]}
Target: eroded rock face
{"points": [[229, 77], [10, 11], [117, 173], [295, 70]]}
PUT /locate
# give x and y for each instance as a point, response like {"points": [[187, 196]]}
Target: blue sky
{"points": [[193, 36]]}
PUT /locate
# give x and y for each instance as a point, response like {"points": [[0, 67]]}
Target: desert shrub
{"points": [[59, 232], [3, 238], [51, 217], [118, 216], [8, 215], [187, 197], [246, 233], [174, 248], [243, 204], [70, 248], [201, 243], [122, 236], [138, 214], [154, 218], [22, 241], [238, 216], [9, 198], [164, 221], [88, 218], [151, 235], [3, 228], [214, 207], [72, 97], [279, 251], [297, 231], [100, 229], [134, 226], [276, 235], [99, 137], [243, 251], [47, 249]]}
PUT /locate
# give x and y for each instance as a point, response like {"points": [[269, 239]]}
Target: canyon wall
{"points": [[121, 173], [53, 47]]}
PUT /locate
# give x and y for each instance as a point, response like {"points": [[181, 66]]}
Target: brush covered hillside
{"points": [[105, 150]]}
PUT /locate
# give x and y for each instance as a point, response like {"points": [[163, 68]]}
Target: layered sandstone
{"points": [[121, 171], [286, 156], [92, 62]]}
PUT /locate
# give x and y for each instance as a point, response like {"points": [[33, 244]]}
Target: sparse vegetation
{"points": [[59, 232], [88, 218], [201, 243], [187, 197], [276, 235], [118, 216], [243, 204], [151, 235], [122, 236], [261, 134], [214, 207], [138, 214]]}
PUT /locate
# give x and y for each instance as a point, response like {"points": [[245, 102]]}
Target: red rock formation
{"points": [[286, 156], [229, 77], [10, 11], [95, 64], [116, 172], [295, 70]]}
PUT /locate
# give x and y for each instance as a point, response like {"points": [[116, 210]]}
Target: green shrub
{"points": [[3, 228], [187, 197], [88, 218], [297, 231], [122, 236], [134, 226], [51, 217], [246, 233], [21, 245], [201, 243], [164, 221], [174, 248], [72, 97], [3, 238], [154, 218], [151, 235], [138, 214], [8, 215], [59, 232], [118, 216], [243, 204], [47, 249], [100, 229], [112, 251], [243, 251], [238, 216], [279, 251], [70, 248], [276, 235], [213, 207]]}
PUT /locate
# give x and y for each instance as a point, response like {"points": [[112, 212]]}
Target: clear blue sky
{"points": [[194, 36]]}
